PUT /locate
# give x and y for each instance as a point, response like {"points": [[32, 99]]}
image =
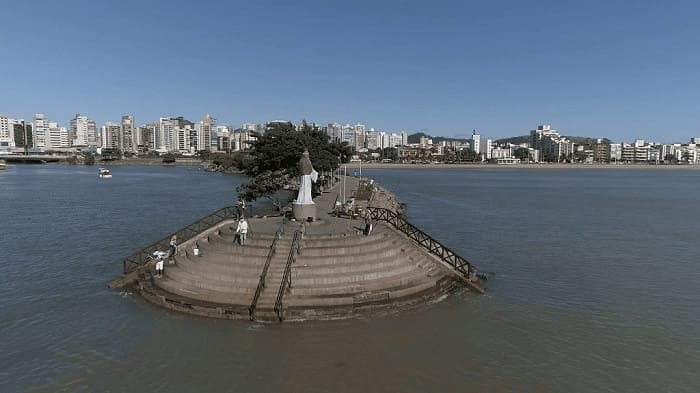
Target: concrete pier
{"points": [[339, 269]]}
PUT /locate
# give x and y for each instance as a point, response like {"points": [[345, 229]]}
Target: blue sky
{"points": [[622, 70]]}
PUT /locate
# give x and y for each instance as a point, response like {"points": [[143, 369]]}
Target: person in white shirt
{"points": [[159, 268], [242, 231]]}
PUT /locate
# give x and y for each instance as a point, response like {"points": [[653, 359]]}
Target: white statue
{"points": [[307, 175]]}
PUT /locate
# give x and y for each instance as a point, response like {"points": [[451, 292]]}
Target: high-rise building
{"points": [[164, 134], [6, 134], [127, 137], [111, 136], [551, 145], [205, 133], [348, 134], [21, 134], [146, 135], [56, 137], [334, 131], [83, 131], [373, 140], [40, 130], [601, 151], [475, 142]]}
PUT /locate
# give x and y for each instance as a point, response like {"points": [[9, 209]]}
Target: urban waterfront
{"points": [[595, 288]]}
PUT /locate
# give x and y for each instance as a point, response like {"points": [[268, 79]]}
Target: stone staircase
{"points": [[334, 273]]}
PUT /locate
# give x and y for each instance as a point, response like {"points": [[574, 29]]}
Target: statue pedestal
{"points": [[303, 212]]}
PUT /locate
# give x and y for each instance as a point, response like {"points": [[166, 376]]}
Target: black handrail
{"points": [[287, 277], [433, 246], [263, 274], [140, 257]]}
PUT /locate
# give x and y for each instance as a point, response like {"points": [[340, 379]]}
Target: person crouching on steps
{"points": [[242, 231]]}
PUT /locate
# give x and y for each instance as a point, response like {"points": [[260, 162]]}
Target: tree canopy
{"points": [[276, 153]]}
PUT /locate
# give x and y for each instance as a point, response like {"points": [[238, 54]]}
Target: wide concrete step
{"points": [[225, 259], [378, 244], [357, 298], [356, 257], [251, 242], [213, 282], [327, 280], [219, 268], [310, 270], [330, 287], [240, 299], [233, 249], [341, 241]]}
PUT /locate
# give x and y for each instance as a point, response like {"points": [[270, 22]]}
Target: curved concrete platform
{"points": [[338, 272]]}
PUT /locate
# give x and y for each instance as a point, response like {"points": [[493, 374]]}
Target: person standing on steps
{"points": [[242, 230], [173, 248], [159, 267]]}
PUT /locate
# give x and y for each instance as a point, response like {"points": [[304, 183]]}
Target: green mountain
{"points": [[578, 140], [415, 138]]}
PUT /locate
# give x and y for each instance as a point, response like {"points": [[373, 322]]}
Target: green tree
{"points": [[168, 158], [275, 154], [88, 158], [204, 155]]}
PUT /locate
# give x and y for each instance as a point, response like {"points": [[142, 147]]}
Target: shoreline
{"points": [[356, 165]]}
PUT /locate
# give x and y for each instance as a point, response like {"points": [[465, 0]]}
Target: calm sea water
{"points": [[595, 289]]}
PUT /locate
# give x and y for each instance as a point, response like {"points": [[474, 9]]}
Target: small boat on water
{"points": [[105, 173], [3, 164]]}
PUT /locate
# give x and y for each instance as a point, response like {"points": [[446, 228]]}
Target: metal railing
{"points": [[287, 277], [140, 257], [263, 274], [433, 246]]}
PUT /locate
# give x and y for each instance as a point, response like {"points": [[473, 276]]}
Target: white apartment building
{"points": [[373, 140], [165, 134], [551, 145], [348, 135], [6, 134], [334, 131], [127, 137], [615, 152], [56, 137], [40, 128], [83, 131], [637, 152], [110, 135], [146, 136], [205, 133]]}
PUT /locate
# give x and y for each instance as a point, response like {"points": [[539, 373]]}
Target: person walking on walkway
{"points": [[240, 207], [242, 230]]}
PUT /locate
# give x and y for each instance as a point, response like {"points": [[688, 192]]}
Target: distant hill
{"points": [[415, 138], [516, 140], [578, 140]]}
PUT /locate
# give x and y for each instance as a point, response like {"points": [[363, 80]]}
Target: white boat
{"points": [[3, 164], [105, 173]]}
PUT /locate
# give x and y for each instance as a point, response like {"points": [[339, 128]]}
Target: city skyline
{"points": [[604, 71]]}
